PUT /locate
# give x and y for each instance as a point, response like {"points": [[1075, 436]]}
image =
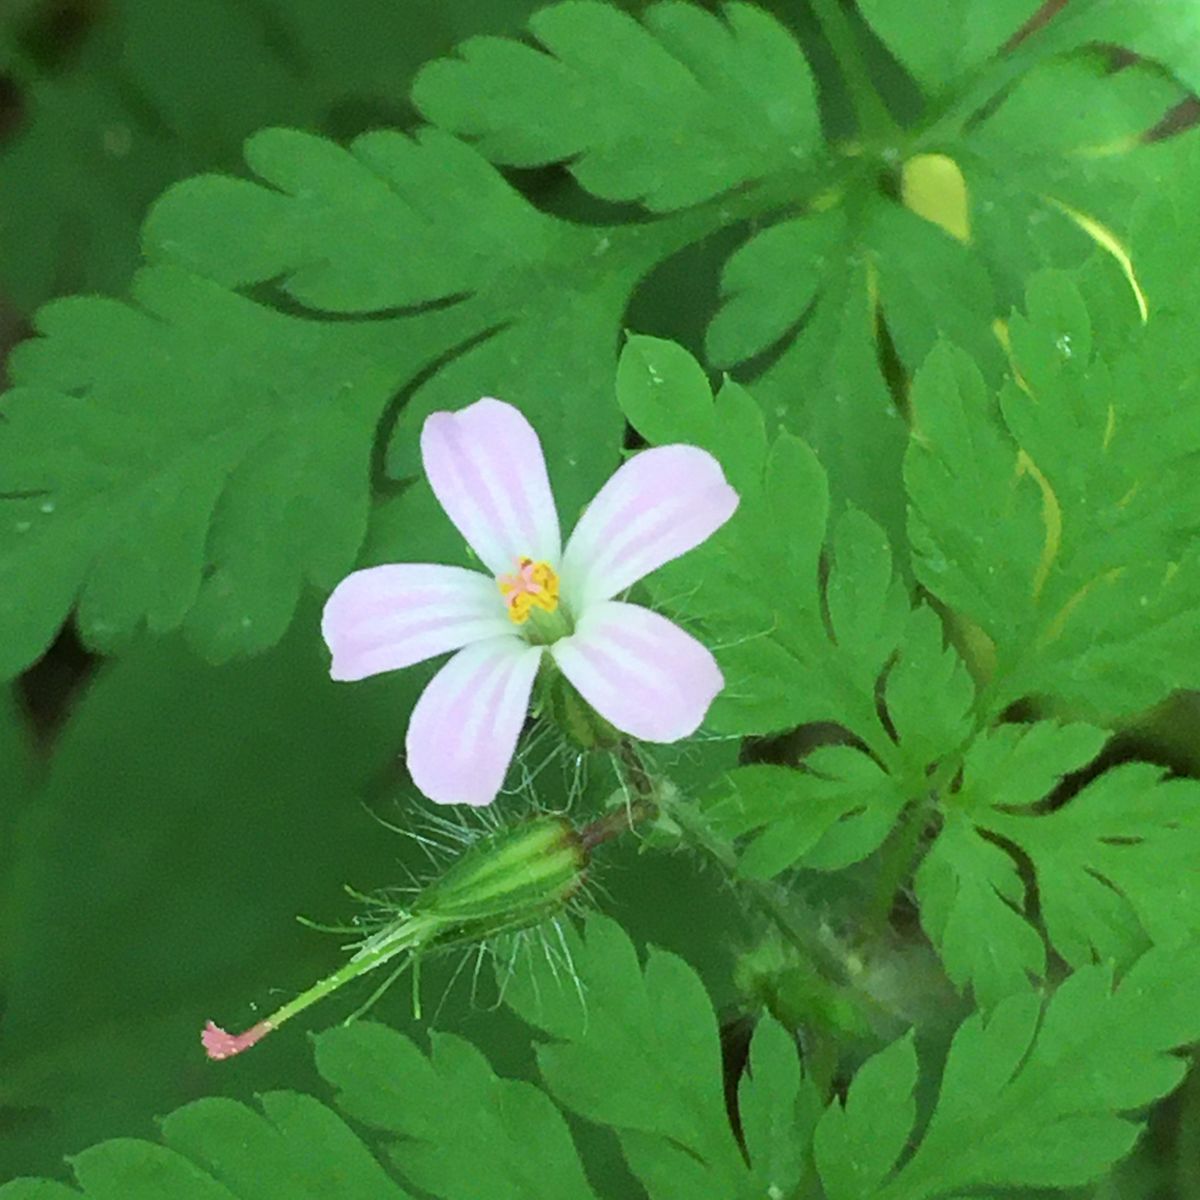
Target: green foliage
{"points": [[155, 91], [1061, 529], [661, 1088], [527, 303], [732, 98], [471, 1134], [295, 1149], [1013, 1108], [792, 651], [1030, 1097]]}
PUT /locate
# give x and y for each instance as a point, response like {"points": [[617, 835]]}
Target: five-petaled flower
{"points": [[638, 670]]}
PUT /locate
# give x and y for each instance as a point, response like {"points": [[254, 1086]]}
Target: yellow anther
{"points": [[535, 585]]}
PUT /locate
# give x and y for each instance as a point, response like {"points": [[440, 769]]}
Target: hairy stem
{"points": [[766, 897], [898, 862]]}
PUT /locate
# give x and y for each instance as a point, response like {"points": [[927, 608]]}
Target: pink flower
{"points": [[639, 671]]}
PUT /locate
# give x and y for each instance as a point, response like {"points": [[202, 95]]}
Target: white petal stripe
{"points": [[385, 618], [486, 467], [640, 671], [659, 505], [464, 728]]}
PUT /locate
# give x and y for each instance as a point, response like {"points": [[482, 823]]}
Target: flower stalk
{"points": [[813, 944]]}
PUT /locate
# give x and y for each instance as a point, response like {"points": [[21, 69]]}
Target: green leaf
{"points": [[296, 1149], [928, 693], [637, 1049], [917, 264], [374, 228], [1104, 112], [969, 881], [470, 1134], [795, 647], [1109, 864], [829, 379], [1025, 1103], [770, 281], [940, 45], [857, 1144], [1113, 865], [972, 903], [301, 1148], [155, 483], [1064, 532], [832, 812], [670, 112], [152, 485], [778, 1111], [665, 394]]}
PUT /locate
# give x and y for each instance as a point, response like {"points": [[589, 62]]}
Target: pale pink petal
{"points": [[658, 505], [389, 617], [486, 468], [464, 727], [639, 671]]}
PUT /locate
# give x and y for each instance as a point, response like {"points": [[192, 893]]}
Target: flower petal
{"points": [[486, 467], [464, 727], [658, 505], [389, 617], [639, 671]]}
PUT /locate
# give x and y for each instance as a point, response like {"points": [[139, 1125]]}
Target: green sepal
{"points": [[559, 702], [511, 879]]}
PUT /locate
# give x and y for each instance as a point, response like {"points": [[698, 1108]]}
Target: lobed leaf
{"points": [[833, 811], [1063, 532], [295, 1149], [802, 636], [152, 481], [1037, 1099], [636, 1048], [470, 1134], [1110, 865], [670, 111]]}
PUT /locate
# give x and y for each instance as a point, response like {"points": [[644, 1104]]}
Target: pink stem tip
{"points": [[219, 1044]]}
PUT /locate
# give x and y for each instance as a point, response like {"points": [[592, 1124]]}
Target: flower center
{"points": [[535, 585], [531, 595]]}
